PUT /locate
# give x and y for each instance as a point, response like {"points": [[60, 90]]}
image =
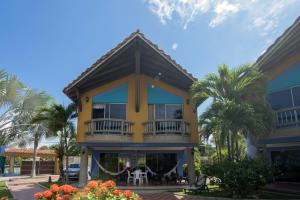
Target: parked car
{"points": [[73, 171]]}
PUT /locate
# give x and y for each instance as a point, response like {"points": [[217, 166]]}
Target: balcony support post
{"points": [[92, 127], [83, 174]]}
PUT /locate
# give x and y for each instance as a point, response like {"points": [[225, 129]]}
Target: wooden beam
{"points": [[137, 65], [78, 100], [105, 79]]}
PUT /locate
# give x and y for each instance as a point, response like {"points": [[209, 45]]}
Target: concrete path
{"points": [[24, 191], [25, 188]]}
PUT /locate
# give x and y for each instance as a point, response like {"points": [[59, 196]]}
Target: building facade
{"points": [[281, 64], [135, 111]]}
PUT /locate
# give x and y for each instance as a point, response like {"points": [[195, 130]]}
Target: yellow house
{"points": [[135, 111], [281, 63]]}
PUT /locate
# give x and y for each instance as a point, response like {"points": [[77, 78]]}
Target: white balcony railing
{"points": [[108, 126], [166, 127], [288, 117]]}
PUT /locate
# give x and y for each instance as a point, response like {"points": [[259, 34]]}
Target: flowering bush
{"points": [[95, 190]]}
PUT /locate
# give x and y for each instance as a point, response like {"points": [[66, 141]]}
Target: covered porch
{"points": [[137, 164]]}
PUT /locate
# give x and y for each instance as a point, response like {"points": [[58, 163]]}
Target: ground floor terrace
{"points": [[138, 164], [284, 153]]}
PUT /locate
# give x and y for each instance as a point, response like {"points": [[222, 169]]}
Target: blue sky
{"points": [[49, 43]]}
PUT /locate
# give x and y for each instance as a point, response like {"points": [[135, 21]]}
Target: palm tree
{"points": [[31, 130], [59, 120], [239, 105]]}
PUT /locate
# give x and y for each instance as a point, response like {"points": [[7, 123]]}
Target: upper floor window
{"points": [[165, 111], [109, 111], [285, 98]]}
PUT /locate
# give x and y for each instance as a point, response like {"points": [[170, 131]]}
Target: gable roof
{"points": [[133, 36], [284, 47]]}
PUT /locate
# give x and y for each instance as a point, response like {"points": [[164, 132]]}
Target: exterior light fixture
{"points": [[87, 99]]}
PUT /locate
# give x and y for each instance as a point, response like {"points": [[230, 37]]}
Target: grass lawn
{"points": [[215, 191], [4, 192]]}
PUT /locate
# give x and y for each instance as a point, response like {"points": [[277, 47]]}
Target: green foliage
{"points": [[4, 192], [243, 177], [239, 106]]}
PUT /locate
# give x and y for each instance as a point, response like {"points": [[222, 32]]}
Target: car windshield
{"points": [[74, 166]]}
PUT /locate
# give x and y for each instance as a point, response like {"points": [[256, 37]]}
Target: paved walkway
{"points": [[24, 188], [24, 191]]}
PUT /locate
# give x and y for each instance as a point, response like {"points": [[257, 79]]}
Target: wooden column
{"points": [[83, 174], [78, 100], [137, 63], [12, 163]]}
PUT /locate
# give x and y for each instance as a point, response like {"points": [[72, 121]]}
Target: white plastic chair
{"points": [[129, 177], [144, 176], [137, 176]]}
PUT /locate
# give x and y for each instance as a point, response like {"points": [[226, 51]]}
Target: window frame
{"points": [[292, 96], [165, 110], [108, 104]]}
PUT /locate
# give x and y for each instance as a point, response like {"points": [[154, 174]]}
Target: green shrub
{"points": [[242, 177]]}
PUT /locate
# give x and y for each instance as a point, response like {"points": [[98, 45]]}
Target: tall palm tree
{"points": [[239, 104], [31, 131], [59, 120]]}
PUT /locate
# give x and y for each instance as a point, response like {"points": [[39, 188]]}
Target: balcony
{"points": [[108, 130], [288, 118], [166, 131]]}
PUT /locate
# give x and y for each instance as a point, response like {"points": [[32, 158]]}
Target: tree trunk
{"points": [[232, 147], [35, 146], [61, 158], [220, 151], [217, 149], [237, 149], [228, 147], [66, 154]]}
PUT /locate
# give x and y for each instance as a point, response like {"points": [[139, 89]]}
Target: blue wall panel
{"points": [[287, 79], [160, 96], [115, 95]]}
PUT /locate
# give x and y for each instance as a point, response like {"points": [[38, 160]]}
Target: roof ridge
{"points": [[125, 41]]}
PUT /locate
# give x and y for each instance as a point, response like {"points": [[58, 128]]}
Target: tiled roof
{"points": [[278, 42], [30, 151], [117, 48]]}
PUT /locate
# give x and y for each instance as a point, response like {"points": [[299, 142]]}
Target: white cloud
{"points": [[223, 9], [174, 46], [263, 15]]}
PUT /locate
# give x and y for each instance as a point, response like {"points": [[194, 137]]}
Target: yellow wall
{"points": [[140, 117]]}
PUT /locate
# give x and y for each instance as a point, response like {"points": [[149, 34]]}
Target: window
{"points": [[99, 110], [164, 111], [116, 111], [160, 111], [173, 111], [296, 95], [281, 99]]}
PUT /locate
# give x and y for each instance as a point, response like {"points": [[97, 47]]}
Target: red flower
{"points": [[86, 189], [38, 195], [47, 194], [54, 188], [65, 197], [67, 189], [128, 193], [92, 184], [58, 197], [117, 192]]}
